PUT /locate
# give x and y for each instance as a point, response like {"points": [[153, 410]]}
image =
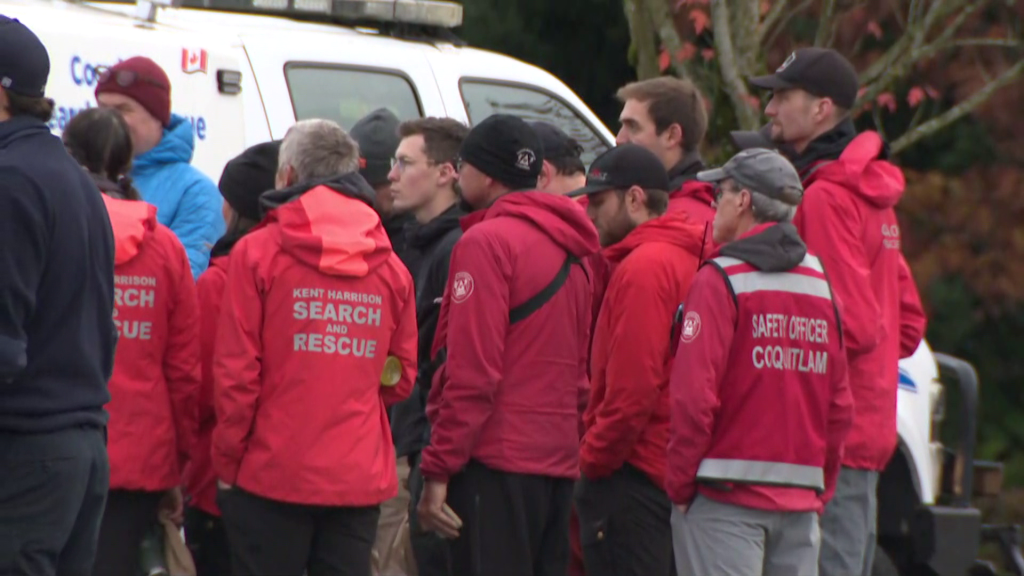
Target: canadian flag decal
{"points": [[193, 60]]}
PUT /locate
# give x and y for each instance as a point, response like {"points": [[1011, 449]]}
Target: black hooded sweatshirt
{"points": [[429, 247], [57, 333]]}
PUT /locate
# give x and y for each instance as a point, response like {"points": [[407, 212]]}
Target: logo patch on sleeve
{"points": [[462, 287], [691, 327]]}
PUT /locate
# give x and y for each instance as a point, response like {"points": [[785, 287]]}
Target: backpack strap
{"points": [[524, 310]]}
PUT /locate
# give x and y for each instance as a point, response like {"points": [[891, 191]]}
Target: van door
{"points": [[340, 75]]}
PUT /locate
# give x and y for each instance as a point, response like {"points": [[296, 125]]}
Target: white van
{"points": [[245, 77]]}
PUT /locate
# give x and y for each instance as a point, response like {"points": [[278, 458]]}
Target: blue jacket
{"points": [[186, 200]]}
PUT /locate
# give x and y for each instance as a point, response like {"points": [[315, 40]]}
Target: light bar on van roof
{"points": [[426, 12]]}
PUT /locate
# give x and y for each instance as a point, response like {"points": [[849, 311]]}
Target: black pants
{"points": [[52, 490], [128, 516], [270, 538], [207, 542], [625, 525], [513, 524], [429, 548]]}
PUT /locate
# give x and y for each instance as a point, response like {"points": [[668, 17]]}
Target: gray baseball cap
{"points": [[760, 170]]}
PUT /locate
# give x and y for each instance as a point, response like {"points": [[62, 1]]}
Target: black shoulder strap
{"points": [[524, 310]]}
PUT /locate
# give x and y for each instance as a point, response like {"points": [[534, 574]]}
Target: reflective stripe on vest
{"points": [[795, 283], [761, 472]]}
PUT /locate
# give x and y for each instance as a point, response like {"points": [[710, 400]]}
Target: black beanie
{"points": [[377, 135], [505, 148], [249, 175]]}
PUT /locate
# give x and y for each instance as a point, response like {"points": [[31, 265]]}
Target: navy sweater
{"points": [[57, 333]]}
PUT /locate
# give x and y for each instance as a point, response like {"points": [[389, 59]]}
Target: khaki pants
{"points": [[392, 552]]}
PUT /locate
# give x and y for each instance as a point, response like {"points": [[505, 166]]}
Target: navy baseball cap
{"points": [[822, 72], [623, 167], [24, 62]]}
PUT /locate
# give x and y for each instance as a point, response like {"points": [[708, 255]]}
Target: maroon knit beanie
{"points": [[142, 80]]}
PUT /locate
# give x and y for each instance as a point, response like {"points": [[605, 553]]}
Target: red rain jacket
{"points": [[155, 384], [847, 219], [511, 396], [316, 301], [627, 418], [200, 481]]}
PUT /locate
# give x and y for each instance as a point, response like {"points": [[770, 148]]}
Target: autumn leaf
{"points": [[875, 30], [686, 52], [765, 7], [700, 20], [888, 100], [931, 92], [753, 101], [664, 61], [915, 96], [707, 53]]}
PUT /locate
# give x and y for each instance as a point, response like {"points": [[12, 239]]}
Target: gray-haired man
{"points": [[759, 401]]}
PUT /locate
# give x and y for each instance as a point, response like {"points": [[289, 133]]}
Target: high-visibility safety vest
{"points": [[776, 391]]}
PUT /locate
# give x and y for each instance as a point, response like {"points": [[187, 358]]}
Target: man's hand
{"points": [[222, 485], [432, 510], [174, 503]]}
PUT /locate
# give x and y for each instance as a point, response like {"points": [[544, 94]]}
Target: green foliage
{"points": [[585, 43], [989, 343]]}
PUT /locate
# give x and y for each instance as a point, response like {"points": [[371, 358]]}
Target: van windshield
{"points": [[346, 95]]}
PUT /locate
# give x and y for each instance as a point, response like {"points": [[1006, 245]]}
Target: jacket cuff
{"points": [[430, 467]]}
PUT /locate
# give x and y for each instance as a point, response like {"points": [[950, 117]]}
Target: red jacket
{"points": [[627, 418], [847, 218], [759, 397], [156, 370], [316, 301], [696, 199], [913, 321], [200, 481], [511, 396]]}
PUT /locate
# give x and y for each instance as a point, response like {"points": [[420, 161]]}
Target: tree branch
{"points": [[734, 84], [771, 18], [785, 22], [959, 111], [900, 58], [658, 13], [823, 37]]}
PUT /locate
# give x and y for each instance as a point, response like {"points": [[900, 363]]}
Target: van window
{"points": [[483, 99], [346, 95]]}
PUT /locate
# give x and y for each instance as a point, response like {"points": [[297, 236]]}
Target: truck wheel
{"points": [[883, 564]]}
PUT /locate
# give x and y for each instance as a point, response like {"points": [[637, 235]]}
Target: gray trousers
{"points": [[716, 539], [849, 526]]}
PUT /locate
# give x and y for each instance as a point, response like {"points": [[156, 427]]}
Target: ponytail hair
{"points": [[99, 140]]}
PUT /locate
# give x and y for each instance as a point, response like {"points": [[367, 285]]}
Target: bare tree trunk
{"points": [[734, 82], [645, 42]]}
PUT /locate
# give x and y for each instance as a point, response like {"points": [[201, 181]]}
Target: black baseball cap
{"points": [[623, 167], [24, 62], [556, 143], [760, 170], [822, 72]]}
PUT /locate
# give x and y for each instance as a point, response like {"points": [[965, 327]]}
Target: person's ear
{"points": [[547, 174], [674, 136], [446, 175], [636, 200]]}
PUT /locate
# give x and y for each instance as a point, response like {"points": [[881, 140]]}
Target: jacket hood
{"points": [[672, 228], [132, 221], [330, 226], [863, 169], [562, 219], [420, 236], [703, 192], [175, 147], [768, 247], [684, 170]]}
